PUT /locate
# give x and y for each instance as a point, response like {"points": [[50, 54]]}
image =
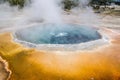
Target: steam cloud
{"points": [[48, 11]]}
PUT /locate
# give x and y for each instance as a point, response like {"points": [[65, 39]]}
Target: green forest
{"points": [[68, 4]]}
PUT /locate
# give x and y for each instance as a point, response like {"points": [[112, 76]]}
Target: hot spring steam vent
{"points": [[57, 34]]}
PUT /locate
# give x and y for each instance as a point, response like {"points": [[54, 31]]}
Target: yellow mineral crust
{"points": [[29, 64]]}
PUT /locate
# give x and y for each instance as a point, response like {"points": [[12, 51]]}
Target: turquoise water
{"points": [[57, 34]]}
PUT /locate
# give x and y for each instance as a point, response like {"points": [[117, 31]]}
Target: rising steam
{"points": [[39, 11]]}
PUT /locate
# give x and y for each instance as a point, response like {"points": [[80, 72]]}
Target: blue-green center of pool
{"points": [[58, 34]]}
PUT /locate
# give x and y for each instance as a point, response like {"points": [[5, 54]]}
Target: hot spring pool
{"points": [[59, 36]]}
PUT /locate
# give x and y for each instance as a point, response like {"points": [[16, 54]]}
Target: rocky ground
{"points": [[111, 20], [107, 19]]}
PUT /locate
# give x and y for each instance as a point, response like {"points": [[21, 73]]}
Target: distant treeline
{"points": [[19, 3], [68, 4], [104, 2]]}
